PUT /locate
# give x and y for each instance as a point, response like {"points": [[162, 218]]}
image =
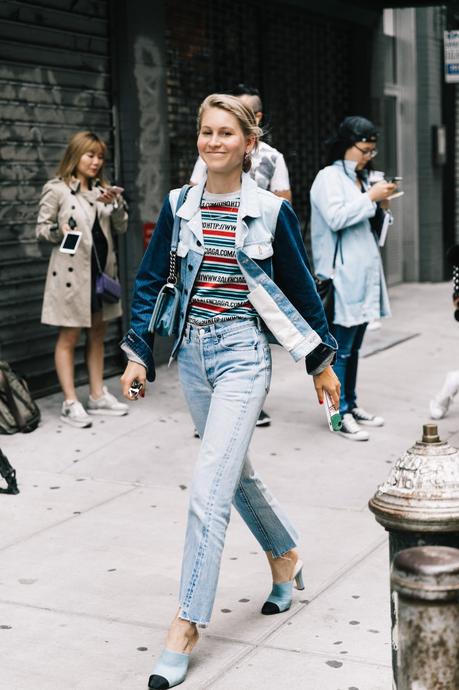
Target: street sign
{"points": [[451, 56]]}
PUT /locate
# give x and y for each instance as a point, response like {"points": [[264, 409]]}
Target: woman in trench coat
{"points": [[80, 198]]}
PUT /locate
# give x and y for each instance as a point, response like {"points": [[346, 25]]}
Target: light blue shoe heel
{"points": [[170, 670], [280, 598]]}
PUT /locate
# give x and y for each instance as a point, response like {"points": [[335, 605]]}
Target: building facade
{"points": [[136, 73]]}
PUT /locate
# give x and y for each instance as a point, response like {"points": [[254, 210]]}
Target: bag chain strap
{"points": [[172, 278]]}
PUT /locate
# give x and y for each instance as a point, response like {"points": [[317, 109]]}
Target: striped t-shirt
{"points": [[220, 291]]}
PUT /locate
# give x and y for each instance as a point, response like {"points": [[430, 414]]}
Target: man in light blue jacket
{"points": [[342, 206]]}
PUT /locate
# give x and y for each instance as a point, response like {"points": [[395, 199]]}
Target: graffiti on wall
{"points": [[149, 73]]}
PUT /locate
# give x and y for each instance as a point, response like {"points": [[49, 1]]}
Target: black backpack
{"points": [[18, 410], [9, 475]]}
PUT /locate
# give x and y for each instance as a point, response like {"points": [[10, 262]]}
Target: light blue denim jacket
{"points": [[271, 256], [338, 204]]}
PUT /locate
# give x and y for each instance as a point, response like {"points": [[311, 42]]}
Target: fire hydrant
{"points": [[425, 580], [418, 504]]}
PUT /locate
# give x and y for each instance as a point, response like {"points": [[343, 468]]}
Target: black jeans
{"points": [[347, 358]]}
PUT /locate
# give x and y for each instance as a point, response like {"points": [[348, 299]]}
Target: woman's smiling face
{"points": [[221, 141]]}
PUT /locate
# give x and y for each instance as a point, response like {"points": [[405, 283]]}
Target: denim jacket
{"points": [[337, 204], [271, 256]]}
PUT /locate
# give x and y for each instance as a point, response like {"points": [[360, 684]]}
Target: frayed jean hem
{"points": [[185, 617], [275, 554]]}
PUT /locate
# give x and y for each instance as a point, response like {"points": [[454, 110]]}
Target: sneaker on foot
{"points": [[73, 413], [439, 405], [439, 408], [263, 419], [365, 418], [107, 404], [351, 430]]}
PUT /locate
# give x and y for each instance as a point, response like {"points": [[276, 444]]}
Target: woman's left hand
{"points": [[328, 381]]}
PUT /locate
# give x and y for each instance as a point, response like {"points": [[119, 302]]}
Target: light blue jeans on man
{"points": [[225, 371]]}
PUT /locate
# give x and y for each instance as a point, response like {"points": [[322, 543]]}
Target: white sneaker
{"points": [[107, 404], [351, 430], [73, 413], [439, 408], [363, 417]]}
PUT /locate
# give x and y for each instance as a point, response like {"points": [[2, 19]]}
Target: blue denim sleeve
{"points": [[292, 273], [151, 277]]}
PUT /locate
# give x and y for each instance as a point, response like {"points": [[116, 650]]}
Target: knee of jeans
{"points": [[210, 512]]}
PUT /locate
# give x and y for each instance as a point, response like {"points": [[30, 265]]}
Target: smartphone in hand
{"points": [[333, 415], [115, 189], [70, 243]]}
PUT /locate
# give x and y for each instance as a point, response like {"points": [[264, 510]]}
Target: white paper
{"points": [[384, 229], [395, 195]]}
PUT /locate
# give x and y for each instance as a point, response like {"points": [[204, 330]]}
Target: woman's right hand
{"points": [[133, 372], [381, 190]]}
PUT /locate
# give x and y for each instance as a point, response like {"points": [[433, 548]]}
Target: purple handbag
{"points": [[108, 288]]}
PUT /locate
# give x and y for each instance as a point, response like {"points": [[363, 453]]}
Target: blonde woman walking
{"points": [[234, 237]]}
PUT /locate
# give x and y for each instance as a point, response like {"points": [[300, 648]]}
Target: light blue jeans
{"points": [[225, 371]]}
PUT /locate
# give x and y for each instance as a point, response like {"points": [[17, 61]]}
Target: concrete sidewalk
{"points": [[90, 549]]}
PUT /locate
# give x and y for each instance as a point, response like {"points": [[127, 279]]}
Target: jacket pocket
{"points": [[259, 250]]}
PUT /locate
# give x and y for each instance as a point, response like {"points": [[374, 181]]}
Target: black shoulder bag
{"points": [[325, 286]]}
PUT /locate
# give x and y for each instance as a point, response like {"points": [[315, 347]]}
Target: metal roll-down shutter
{"points": [[54, 81], [301, 62]]}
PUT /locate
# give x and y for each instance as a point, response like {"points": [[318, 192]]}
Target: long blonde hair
{"points": [[244, 115], [79, 144]]}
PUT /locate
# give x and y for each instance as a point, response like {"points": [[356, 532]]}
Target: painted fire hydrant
{"points": [[418, 504]]}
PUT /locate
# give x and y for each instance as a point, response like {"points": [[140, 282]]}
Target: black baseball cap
{"points": [[355, 128]]}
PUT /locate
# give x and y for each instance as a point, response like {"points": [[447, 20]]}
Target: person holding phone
{"points": [[345, 247], [243, 269], [78, 214]]}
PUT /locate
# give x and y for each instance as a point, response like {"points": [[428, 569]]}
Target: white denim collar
{"points": [[250, 205]]}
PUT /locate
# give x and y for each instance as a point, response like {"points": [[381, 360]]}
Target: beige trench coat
{"points": [[67, 296]]}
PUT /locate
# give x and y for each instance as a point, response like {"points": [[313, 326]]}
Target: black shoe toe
{"points": [[269, 608], [158, 683]]}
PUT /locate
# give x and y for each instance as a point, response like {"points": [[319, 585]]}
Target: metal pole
{"points": [[425, 584]]}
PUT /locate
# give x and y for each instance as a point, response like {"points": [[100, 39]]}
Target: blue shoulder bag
{"points": [[165, 317]]}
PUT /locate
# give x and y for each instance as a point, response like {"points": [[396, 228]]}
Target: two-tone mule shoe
{"points": [[281, 595]]}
